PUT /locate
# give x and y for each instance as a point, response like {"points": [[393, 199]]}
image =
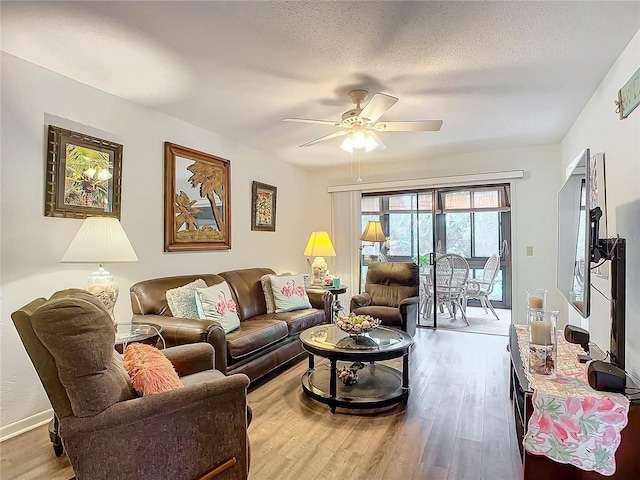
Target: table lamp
{"points": [[372, 233], [319, 246], [101, 240]]}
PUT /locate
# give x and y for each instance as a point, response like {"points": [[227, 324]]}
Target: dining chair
{"points": [[481, 288], [452, 271]]}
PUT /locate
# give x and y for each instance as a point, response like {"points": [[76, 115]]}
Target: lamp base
{"points": [[319, 270], [100, 283]]}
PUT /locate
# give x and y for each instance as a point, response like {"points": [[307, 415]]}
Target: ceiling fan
{"points": [[361, 123]]}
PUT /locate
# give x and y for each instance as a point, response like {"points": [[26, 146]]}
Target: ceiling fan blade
{"points": [[419, 126], [308, 120], [339, 133], [381, 144], [376, 107]]}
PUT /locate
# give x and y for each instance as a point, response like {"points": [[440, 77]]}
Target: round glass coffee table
{"points": [[377, 385]]}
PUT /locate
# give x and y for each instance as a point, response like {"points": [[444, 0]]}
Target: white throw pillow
{"points": [[182, 300], [216, 303], [268, 293], [289, 293]]}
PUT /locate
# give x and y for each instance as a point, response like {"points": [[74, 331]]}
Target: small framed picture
{"points": [[83, 175], [197, 200], [263, 207]]}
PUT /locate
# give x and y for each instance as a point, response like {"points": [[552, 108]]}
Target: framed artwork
{"points": [[263, 207], [197, 200], [83, 175]]}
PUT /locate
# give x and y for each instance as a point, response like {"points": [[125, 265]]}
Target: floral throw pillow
{"points": [[268, 293], [216, 303], [182, 301], [289, 293]]}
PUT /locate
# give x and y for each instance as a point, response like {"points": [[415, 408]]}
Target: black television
{"points": [[575, 242], [580, 249]]}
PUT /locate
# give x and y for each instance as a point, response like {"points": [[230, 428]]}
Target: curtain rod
{"points": [[427, 182]]}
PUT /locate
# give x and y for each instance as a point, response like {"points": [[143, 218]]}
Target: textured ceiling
{"points": [[499, 74]]}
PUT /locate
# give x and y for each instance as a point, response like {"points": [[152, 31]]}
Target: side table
{"points": [[336, 291], [126, 333]]}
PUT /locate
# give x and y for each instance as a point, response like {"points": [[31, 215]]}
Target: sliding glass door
{"points": [[473, 222]]}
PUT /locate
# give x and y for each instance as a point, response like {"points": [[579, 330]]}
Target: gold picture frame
{"points": [[263, 207], [83, 175], [197, 200]]}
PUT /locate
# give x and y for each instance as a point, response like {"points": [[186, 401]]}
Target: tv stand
{"points": [[538, 466]]}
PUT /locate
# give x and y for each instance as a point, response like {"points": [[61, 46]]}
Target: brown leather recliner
{"points": [[107, 430], [392, 294]]}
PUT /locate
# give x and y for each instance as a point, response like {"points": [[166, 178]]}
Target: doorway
{"points": [[421, 225]]}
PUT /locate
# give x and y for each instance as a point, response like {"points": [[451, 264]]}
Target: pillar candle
{"points": [[535, 302], [541, 333]]}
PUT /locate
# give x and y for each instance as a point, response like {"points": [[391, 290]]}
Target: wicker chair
{"points": [[452, 272], [481, 288]]}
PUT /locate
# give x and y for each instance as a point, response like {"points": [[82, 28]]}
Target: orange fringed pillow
{"points": [[150, 371]]}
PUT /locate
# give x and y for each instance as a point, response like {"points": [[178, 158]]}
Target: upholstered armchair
{"points": [[107, 429], [391, 294]]}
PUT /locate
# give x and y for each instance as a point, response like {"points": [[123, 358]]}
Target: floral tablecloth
{"points": [[571, 422]]}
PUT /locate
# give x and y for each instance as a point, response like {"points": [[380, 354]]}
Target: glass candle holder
{"points": [[536, 298], [543, 346]]}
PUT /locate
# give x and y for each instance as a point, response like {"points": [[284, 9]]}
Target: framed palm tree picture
{"points": [[197, 200], [83, 175]]}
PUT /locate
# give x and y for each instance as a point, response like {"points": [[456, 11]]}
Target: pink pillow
{"points": [[151, 372]]}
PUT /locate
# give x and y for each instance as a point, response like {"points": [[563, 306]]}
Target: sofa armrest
{"points": [[181, 331], [322, 301], [192, 358], [409, 308], [362, 300], [165, 433]]}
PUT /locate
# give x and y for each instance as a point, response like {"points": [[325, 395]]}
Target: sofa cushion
{"points": [[289, 293], [300, 320], [255, 334], [247, 289], [149, 297], [389, 316], [216, 303], [78, 332]]}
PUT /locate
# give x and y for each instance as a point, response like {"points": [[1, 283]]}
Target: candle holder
{"points": [[543, 346], [536, 299]]}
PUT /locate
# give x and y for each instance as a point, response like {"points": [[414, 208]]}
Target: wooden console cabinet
{"points": [[540, 467]]}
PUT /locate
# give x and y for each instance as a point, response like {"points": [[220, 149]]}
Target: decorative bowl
{"points": [[357, 324]]}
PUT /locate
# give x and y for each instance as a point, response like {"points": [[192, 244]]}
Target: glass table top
{"points": [[332, 339]]}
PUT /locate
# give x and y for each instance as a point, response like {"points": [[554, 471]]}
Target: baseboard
{"points": [[26, 424]]}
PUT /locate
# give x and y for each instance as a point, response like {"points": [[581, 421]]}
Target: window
{"points": [[471, 221]]}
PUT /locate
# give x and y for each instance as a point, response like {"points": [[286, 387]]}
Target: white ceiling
{"points": [[499, 74]]}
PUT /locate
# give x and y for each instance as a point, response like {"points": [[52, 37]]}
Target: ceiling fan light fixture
{"points": [[370, 144], [359, 139], [347, 145]]}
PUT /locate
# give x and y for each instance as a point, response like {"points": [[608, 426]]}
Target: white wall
{"points": [[534, 213], [32, 244], [599, 128]]}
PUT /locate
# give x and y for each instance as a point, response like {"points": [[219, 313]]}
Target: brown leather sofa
{"points": [[392, 294], [262, 343]]}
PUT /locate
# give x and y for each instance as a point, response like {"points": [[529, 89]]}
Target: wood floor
{"points": [[457, 424]]}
